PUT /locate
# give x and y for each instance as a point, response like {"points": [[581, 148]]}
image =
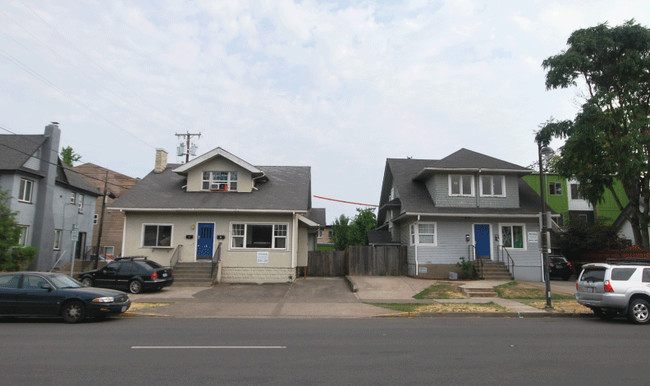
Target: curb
{"points": [[518, 315]]}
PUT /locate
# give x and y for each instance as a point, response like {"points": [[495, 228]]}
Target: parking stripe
{"points": [[208, 347]]}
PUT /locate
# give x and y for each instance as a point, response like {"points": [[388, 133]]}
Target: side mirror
{"points": [[47, 286]]}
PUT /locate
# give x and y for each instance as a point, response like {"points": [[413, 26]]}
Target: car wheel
{"points": [[73, 312], [87, 282], [639, 311], [135, 287], [605, 315]]}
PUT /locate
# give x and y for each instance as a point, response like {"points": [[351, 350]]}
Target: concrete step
{"points": [[193, 274], [480, 292]]}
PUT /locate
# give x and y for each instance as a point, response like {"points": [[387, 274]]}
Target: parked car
{"points": [[134, 274], [616, 288], [560, 267], [54, 294]]}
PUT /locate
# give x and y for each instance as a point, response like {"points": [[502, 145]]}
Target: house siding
{"points": [[451, 246], [438, 187]]}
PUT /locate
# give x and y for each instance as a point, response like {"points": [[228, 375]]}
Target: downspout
{"points": [[294, 242], [123, 234], [417, 263], [478, 187]]}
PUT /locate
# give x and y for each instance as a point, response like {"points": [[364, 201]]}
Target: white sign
{"points": [[262, 257], [533, 237]]}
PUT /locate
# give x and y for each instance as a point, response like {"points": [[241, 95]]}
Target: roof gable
{"points": [[16, 150], [218, 152]]}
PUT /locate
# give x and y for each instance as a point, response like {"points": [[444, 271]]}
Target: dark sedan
{"points": [[53, 294], [560, 267], [133, 274]]}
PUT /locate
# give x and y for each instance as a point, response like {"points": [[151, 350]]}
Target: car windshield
{"points": [[63, 281]]}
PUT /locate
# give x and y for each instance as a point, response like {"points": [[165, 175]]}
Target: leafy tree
{"points": [[341, 232], [610, 136], [9, 230], [579, 238], [69, 157], [364, 221], [346, 232]]}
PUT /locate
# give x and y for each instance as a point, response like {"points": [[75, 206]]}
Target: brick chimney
{"points": [[161, 161]]}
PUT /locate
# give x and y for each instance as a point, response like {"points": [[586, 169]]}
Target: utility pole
{"points": [[187, 148], [101, 222]]}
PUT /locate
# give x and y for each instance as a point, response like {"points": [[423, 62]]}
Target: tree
{"points": [[610, 136], [364, 221], [341, 232], [69, 157], [9, 230]]}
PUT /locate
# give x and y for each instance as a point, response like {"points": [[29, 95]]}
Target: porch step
{"points": [[193, 274], [479, 292], [495, 270]]}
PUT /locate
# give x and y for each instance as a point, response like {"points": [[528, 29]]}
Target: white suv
{"points": [[616, 288]]}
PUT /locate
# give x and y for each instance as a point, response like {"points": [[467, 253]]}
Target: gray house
{"points": [[51, 200], [256, 217], [466, 205]]}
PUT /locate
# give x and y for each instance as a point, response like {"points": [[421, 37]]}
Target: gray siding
{"points": [[438, 187]]}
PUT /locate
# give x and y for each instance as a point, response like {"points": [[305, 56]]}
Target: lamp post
{"points": [[546, 151]]}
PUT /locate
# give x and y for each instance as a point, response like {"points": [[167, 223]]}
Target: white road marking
{"points": [[208, 347]]}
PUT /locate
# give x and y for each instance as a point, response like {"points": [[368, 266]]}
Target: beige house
{"points": [[255, 219]]}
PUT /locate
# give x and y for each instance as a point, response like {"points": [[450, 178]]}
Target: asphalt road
{"points": [[139, 351]]}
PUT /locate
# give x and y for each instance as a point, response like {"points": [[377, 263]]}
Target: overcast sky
{"points": [[336, 85]]}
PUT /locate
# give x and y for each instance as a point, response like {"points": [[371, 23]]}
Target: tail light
{"points": [[608, 286], [154, 276]]}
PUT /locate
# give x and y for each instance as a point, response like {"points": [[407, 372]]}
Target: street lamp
{"points": [[546, 152]]}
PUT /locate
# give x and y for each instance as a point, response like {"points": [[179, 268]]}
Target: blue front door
{"points": [[482, 239], [204, 241]]}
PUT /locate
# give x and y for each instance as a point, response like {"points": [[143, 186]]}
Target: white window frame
{"points": [[491, 178], [276, 235], [24, 231], [462, 192], [524, 246], [24, 194], [232, 177], [416, 233], [57, 239], [158, 225], [577, 191], [80, 203], [105, 248]]}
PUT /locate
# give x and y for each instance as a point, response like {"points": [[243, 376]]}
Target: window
{"points": [[555, 188], [261, 236], [23, 235], [108, 251], [157, 236], [423, 234], [512, 236], [57, 239], [461, 185], [575, 194], [80, 202], [493, 186], [219, 181], [622, 274], [26, 190]]}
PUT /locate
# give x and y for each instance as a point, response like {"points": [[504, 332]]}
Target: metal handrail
{"points": [[510, 263], [176, 256], [216, 259]]}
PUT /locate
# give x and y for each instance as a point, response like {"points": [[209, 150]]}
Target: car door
{"points": [[8, 293], [107, 276], [124, 275], [33, 299]]}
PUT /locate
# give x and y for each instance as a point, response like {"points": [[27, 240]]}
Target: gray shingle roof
{"points": [[407, 175], [288, 188]]}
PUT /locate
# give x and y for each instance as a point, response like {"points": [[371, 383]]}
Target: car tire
{"points": [[639, 311], [135, 287], [87, 282], [605, 315], [73, 311]]}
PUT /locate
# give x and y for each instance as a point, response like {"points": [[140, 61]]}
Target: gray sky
{"points": [[338, 85]]}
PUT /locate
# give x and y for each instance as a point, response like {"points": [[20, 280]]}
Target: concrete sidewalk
{"points": [[316, 297]]}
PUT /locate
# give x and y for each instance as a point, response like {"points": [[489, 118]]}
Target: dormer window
{"points": [[219, 181], [493, 186], [461, 185]]}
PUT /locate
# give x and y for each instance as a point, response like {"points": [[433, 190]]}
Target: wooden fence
{"points": [[360, 261]]}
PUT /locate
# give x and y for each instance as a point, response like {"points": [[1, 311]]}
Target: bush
{"points": [[466, 269], [19, 258]]}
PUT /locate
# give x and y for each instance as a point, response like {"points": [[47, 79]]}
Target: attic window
{"points": [[219, 181]]}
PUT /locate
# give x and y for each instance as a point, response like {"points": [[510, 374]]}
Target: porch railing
{"points": [[176, 256], [505, 257], [216, 260], [478, 263]]}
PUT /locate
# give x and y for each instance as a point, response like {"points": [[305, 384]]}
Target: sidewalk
{"points": [[349, 297]]}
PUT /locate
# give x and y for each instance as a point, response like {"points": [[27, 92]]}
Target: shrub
{"points": [[19, 258], [466, 269]]}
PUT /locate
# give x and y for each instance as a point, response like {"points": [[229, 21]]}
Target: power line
{"points": [[345, 202]]}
